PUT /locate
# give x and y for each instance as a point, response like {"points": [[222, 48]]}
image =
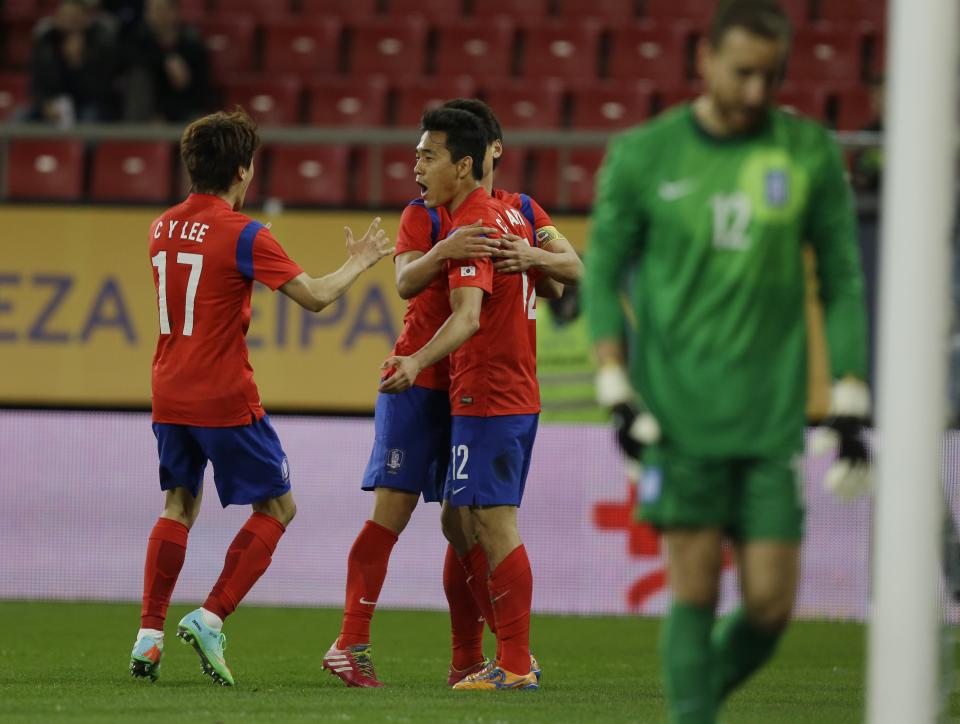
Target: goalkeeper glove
{"points": [[849, 476], [634, 425]]}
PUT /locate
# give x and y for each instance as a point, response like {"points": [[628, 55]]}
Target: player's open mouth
{"points": [[423, 189]]}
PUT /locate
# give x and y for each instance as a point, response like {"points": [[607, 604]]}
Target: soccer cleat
{"points": [[354, 665], [535, 667], [497, 678], [145, 659], [208, 644], [456, 675]]}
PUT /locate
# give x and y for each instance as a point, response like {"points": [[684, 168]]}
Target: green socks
{"points": [[739, 649], [686, 654]]}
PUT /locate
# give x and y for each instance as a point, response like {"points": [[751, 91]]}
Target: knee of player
{"points": [[288, 513], [181, 514], [769, 613]]}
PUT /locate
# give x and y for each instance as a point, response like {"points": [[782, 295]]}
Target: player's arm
{"points": [[463, 323], [315, 293], [416, 269]]}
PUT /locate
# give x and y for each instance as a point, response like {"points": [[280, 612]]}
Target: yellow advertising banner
{"points": [[78, 311]]}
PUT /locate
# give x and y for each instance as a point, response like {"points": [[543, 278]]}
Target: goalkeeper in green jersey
{"points": [[703, 212]]}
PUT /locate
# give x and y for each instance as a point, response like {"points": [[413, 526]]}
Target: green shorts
{"points": [[751, 498]]}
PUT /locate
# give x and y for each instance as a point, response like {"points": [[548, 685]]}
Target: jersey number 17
{"points": [[195, 262]]}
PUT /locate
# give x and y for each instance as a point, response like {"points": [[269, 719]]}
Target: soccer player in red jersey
{"points": [[411, 449], [206, 256], [494, 394]]}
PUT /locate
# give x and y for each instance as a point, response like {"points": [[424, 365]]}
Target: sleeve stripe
{"points": [[245, 248], [434, 224], [527, 210]]}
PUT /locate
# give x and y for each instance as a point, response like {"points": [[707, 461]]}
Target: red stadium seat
{"points": [[609, 11], [855, 109], [526, 104], [229, 42], [469, 47], [45, 170], [17, 43], [271, 100], [825, 54], [650, 51], [307, 47], [414, 97], [431, 10], [348, 102], [806, 100], [132, 171], [520, 11], [14, 92], [395, 179], [853, 11], [610, 105], [261, 9], [567, 50], [309, 174], [395, 49], [346, 11], [564, 180], [701, 12], [511, 171]]}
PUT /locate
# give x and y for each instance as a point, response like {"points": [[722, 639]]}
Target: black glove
{"points": [[849, 476]]}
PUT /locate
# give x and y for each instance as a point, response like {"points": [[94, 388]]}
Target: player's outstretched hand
{"points": [[398, 374], [471, 241], [850, 475], [371, 248], [635, 427], [514, 255]]}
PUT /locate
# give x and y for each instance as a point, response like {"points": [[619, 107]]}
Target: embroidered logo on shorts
{"points": [[468, 271], [651, 484], [285, 470], [394, 460]]}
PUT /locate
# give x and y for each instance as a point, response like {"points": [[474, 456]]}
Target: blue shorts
{"points": [[411, 443], [249, 464], [489, 459]]}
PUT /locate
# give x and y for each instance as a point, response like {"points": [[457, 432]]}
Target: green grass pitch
{"points": [[68, 662]]}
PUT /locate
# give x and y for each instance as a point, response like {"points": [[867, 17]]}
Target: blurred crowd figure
{"points": [[121, 60]]}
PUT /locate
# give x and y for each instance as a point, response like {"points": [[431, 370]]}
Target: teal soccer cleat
{"points": [[145, 659], [209, 645]]}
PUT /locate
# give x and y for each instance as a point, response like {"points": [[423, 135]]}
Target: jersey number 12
{"points": [[195, 262]]}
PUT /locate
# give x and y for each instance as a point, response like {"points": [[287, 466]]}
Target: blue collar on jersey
{"points": [[526, 208]]}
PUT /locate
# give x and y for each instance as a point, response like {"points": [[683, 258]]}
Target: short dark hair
{"points": [[215, 146], [764, 18], [465, 134], [488, 119]]}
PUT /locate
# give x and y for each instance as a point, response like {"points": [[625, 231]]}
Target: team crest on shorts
{"points": [[394, 460], [777, 185], [285, 470], [650, 485]]}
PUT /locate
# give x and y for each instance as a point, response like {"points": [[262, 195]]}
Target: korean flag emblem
{"points": [[777, 185], [468, 271]]}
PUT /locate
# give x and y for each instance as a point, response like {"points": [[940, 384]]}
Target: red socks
{"points": [[166, 550], [511, 592], [247, 558], [478, 578], [466, 620], [366, 569]]}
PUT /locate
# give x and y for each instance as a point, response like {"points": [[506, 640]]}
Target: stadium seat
{"points": [[45, 170], [14, 93], [415, 96], [348, 102], [610, 105], [271, 100], [17, 43], [469, 47], [854, 109], [564, 180], [395, 178], [520, 11], [805, 100], [525, 104], [511, 171], [260, 9], [346, 11], [431, 10], [229, 42], [608, 11], [700, 12], [306, 47], [132, 171], [395, 49], [558, 49], [650, 51], [825, 54], [309, 174], [853, 11]]}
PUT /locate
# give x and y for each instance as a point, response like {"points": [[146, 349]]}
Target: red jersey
{"points": [[495, 371], [420, 229], [205, 258]]}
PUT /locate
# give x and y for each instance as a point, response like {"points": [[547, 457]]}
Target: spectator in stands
{"points": [[72, 67], [167, 76]]}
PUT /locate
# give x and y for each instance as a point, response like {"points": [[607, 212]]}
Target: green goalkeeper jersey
{"points": [[708, 233]]}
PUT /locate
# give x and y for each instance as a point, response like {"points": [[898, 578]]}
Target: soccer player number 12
{"points": [[195, 262]]}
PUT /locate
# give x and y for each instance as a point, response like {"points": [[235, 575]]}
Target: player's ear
{"points": [[464, 167], [496, 150]]}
